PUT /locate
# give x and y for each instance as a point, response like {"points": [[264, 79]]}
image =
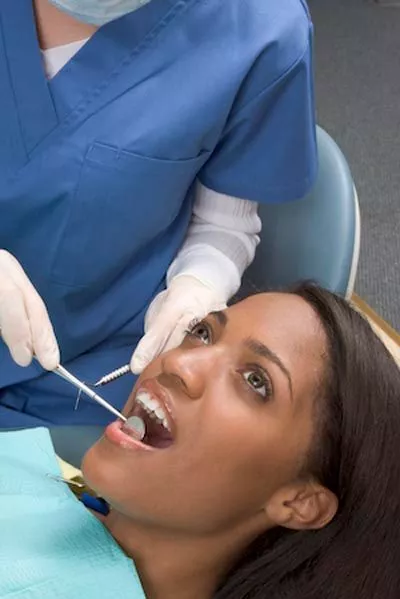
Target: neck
{"points": [[56, 28], [172, 565]]}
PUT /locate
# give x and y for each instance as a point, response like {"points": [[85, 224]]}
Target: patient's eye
{"points": [[258, 381], [200, 330]]}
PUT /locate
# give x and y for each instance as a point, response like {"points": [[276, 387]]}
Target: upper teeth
{"points": [[152, 407]]}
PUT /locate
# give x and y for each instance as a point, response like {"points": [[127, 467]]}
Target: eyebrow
{"points": [[260, 349], [220, 316]]}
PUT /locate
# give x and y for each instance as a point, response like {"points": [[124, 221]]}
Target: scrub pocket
{"points": [[123, 201]]}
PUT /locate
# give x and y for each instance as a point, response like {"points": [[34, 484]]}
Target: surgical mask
{"points": [[98, 12]]}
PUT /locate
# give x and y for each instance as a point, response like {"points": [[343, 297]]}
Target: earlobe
{"points": [[304, 506]]}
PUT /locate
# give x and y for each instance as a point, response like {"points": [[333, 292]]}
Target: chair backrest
{"points": [[315, 238]]}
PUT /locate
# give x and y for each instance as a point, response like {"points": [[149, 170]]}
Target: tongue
{"points": [[156, 435]]}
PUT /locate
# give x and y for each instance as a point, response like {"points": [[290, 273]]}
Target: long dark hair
{"points": [[357, 456]]}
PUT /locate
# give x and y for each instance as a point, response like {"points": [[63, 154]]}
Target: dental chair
{"points": [[316, 238]]}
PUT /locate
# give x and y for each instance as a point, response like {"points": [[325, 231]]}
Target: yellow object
{"points": [[389, 336], [68, 471]]}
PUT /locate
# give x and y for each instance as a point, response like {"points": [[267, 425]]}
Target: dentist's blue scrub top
{"points": [[97, 166]]}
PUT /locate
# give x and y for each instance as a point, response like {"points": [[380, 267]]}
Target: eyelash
{"points": [[190, 331], [250, 370]]}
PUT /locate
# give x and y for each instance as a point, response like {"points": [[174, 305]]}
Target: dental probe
{"points": [[113, 376]]}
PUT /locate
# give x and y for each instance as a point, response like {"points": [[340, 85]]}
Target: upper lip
{"points": [[153, 388]]}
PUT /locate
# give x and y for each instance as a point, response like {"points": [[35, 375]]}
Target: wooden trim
{"points": [[378, 320]]}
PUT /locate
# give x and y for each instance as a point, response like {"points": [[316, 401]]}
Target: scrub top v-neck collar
{"points": [[36, 111], [44, 105]]}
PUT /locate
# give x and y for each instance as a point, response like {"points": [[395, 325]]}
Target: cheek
{"points": [[231, 470], [203, 488], [229, 461]]}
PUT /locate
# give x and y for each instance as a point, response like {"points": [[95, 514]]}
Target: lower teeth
{"points": [[135, 427]]}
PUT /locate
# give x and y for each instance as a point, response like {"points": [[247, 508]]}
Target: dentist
{"points": [[137, 138]]}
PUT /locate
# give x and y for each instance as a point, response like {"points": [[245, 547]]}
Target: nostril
{"points": [[170, 379]]}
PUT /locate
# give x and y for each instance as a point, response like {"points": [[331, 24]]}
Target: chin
{"points": [[99, 469]]}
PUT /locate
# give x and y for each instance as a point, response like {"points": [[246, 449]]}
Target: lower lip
{"points": [[116, 435]]}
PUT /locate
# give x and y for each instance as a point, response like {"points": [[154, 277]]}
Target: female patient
{"points": [[277, 471], [271, 462]]}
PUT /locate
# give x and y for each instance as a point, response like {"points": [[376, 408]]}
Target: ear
{"points": [[302, 506]]}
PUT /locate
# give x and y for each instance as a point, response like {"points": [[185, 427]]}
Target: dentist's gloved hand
{"points": [[24, 323], [170, 314]]}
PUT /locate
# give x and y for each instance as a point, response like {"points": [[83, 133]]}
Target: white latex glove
{"points": [[170, 314], [24, 323]]}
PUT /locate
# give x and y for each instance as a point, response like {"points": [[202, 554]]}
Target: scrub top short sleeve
{"points": [[267, 152]]}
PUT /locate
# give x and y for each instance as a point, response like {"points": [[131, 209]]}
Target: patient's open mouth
{"points": [[152, 412]]}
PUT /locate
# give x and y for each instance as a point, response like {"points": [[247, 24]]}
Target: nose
{"points": [[188, 370]]}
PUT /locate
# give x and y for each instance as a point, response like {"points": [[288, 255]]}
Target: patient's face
{"points": [[238, 396]]}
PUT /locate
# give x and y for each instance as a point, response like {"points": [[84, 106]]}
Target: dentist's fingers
{"points": [[44, 341], [24, 322], [179, 331], [170, 314], [149, 347], [14, 326], [167, 323]]}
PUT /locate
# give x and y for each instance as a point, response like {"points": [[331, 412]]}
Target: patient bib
{"points": [[50, 545]]}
